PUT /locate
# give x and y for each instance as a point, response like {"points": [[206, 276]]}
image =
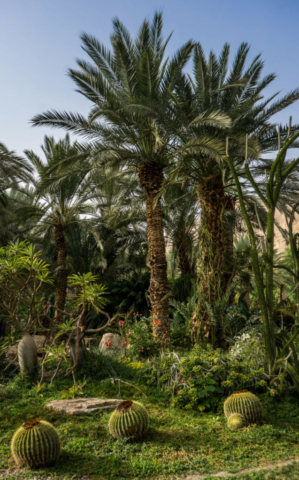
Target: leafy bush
{"points": [[140, 342], [101, 367], [138, 336], [129, 295], [201, 379], [249, 346], [180, 322]]}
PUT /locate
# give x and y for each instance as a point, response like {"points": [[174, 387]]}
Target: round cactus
{"points": [[245, 403], [35, 443], [236, 421], [129, 420]]}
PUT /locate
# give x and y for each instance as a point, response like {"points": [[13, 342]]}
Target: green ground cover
{"points": [[179, 442]]}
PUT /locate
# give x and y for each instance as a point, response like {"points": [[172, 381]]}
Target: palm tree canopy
{"points": [[59, 202], [129, 88], [235, 99]]}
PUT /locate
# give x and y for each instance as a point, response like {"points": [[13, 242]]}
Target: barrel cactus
{"points": [[129, 420], [35, 443], [246, 404], [236, 421]]}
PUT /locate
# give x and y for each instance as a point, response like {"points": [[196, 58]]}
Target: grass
{"points": [[179, 442]]}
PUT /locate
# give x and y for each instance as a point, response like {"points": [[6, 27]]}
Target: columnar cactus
{"points": [[236, 421], [27, 353], [129, 420], [245, 403], [35, 443]]}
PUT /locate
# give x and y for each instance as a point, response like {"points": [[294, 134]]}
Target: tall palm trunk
{"points": [[151, 180], [61, 276], [213, 243]]}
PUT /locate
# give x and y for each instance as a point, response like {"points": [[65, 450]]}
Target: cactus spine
{"points": [[245, 403], [129, 420], [236, 421], [35, 443]]}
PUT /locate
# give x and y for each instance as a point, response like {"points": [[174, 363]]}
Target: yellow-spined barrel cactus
{"points": [[236, 421], [129, 420], [245, 403], [35, 443]]}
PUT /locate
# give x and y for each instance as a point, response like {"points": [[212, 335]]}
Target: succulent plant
{"points": [[246, 404], [236, 421], [129, 420], [35, 443], [27, 353]]}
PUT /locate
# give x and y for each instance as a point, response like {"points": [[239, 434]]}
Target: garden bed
{"points": [[179, 442]]}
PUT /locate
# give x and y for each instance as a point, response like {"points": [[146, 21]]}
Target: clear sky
{"points": [[39, 40]]}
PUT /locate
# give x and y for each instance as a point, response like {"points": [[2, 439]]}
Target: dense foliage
{"points": [[159, 231]]}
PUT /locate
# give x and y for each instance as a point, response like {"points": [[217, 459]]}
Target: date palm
{"points": [[238, 94], [13, 170], [57, 206], [113, 243], [181, 225], [129, 88]]}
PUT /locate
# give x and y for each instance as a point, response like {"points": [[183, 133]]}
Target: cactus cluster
{"points": [[246, 404], [35, 443], [129, 420]]}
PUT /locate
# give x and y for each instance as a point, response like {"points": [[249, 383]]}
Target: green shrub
{"points": [[140, 342], [200, 379], [138, 337], [101, 367]]}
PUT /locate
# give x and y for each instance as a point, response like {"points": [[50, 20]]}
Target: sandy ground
{"points": [[15, 474]]}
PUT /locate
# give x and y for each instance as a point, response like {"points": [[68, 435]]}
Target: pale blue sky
{"points": [[39, 40]]}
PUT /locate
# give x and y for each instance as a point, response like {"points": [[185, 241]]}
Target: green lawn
{"points": [[178, 443]]}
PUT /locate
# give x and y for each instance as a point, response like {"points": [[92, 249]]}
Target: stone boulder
{"points": [[40, 341], [111, 344], [80, 406]]}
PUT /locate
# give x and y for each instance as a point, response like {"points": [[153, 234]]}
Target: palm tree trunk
{"points": [[61, 276], [151, 180], [229, 228], [213, 245]]}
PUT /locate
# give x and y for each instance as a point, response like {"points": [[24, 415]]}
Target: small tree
{"points": [[89, 296], [22, 275]]}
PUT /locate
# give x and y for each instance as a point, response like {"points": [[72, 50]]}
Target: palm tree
{"points": [[13, 170], [113, 243], [238, 96], [181, 225], [130, 88], [56, 207]]}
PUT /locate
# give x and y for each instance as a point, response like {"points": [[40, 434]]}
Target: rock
{"points": [[39, 340], [79, 406], [111, 344], [12, 351]]}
